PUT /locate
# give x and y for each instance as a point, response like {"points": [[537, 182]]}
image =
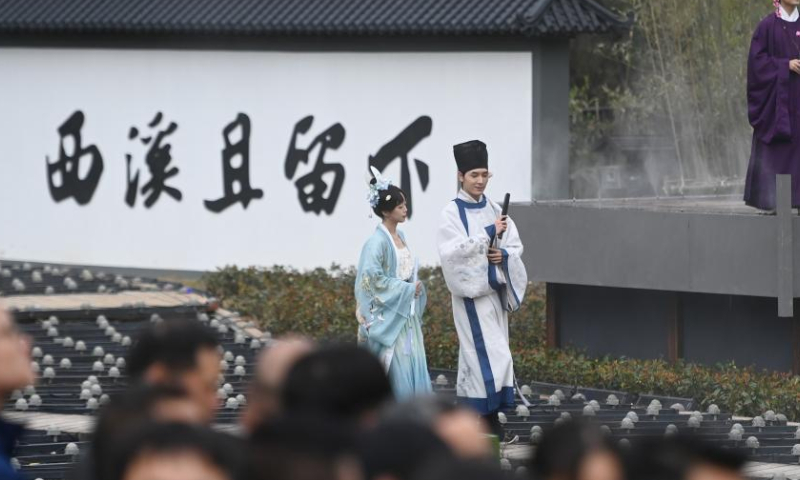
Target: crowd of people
{"points": [[319, 412]]}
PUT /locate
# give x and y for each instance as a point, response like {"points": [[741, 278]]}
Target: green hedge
{"points": [[320, 304]]}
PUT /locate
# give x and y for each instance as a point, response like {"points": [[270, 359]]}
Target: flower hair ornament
{"points": [[381, 183]]}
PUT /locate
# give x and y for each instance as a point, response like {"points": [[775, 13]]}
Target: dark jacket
{"points": [[9, 434]]}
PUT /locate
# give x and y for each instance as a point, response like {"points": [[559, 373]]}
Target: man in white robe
{"points": [[487, 280]]}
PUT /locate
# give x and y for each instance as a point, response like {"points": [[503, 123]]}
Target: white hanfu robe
{"points": [[483, 294]]}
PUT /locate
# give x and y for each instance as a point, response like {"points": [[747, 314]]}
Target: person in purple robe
{"points": [[773, 105]]}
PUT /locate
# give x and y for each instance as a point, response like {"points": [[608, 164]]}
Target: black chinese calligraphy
{"points": [[157, 158], [236, 167], [63, 175], [318, 190], [400, 147]]}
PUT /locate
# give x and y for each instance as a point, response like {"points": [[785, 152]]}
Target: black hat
{"points": [[471, 155]]}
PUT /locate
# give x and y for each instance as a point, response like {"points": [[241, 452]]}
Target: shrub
{"points": [[320, 304]]}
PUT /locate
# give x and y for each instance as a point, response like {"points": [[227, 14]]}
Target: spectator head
{"points": [[304, 447], [263, 400], [176, 451], [465, 432], [179, 352], [710, 462], [341, 381], [684, 457], [453, 469], [15, 356], [180, 408], [461, 428], [577, 451], [127, 411], [397, 451]]}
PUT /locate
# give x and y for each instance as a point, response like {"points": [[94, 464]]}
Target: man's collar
{"points": [[463, 195]]}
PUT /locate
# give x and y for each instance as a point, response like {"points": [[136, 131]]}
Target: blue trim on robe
{"points": [[463, 205], [509, 283], [494, 399], [491, 230], [496, 286], [462, 212], [493, 280], [466, 204], [506, 396]]}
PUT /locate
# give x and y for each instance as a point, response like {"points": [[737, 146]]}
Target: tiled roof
{"points": [[303, 18]]}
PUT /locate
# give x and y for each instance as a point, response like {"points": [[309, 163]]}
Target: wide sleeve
{"points": [[383, 301], [767, 88], [513, 270], [463, 257]]}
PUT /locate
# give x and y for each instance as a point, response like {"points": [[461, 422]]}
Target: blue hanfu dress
{"points": [[388, 324]]}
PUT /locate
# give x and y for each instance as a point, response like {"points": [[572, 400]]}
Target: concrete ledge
{"points": [[700, 245], [103, 300]]}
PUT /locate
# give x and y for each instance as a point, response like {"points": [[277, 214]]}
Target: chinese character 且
{"points": [[236, 178]]}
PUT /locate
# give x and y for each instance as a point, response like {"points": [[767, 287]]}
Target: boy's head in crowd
{"points": [[684, 457], [339, 381], [454, 469], [399, 450], [577, 451], [264, 392], [460, 427], [183, 353], [177, 451], [127, 411], [304, 447]]}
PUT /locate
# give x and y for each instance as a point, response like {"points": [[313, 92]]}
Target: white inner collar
{"points": [[789, 18], [463, 195]]}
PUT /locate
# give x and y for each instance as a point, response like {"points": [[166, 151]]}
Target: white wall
{"points": [[374, 96]]}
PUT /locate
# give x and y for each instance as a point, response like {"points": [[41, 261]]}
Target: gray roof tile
{"points": [[297, 18]]}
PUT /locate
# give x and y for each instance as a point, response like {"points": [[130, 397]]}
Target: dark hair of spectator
{"points": [[453, 469], [126, 412], [672, 458], [400, 450], [174, 343], [342, 381], [170, 438], [564, 448], [300, 447]]}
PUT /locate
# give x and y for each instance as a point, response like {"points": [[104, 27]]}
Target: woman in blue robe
{"points": [[390, 301]]}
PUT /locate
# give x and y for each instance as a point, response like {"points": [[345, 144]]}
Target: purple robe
{"points": [[773, 107]]}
